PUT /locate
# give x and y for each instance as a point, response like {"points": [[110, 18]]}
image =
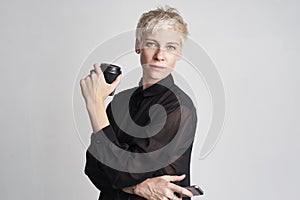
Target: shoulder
{"points": [[183, 98]]}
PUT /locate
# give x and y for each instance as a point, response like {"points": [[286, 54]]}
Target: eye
{"points": [[171, 48], [151, 44]]}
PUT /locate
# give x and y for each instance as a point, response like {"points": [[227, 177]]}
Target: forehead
{"points": [[164, 36]]}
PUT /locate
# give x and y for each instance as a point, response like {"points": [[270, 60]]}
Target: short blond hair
{"points": [[166, 18]]}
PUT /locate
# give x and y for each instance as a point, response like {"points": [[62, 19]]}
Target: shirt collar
{"points": [[159, 87]]}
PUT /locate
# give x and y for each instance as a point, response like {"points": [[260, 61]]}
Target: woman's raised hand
{"points": [[94, 87]]}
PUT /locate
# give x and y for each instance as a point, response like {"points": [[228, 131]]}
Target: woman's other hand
{"points": [[159, 188]]}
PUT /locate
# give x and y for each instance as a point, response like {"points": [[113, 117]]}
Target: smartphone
{"points": [[195, 189]]}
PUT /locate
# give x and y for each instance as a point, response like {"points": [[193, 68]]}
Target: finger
{"points": [[170, 194], [173, 196], [97, 68], [180, 190], [164, 198], [173, 178], [87, 80], [83, 87], [94, 77], [87, 77], [98, 71], [82, 84], [92, 71], [88, 83]]}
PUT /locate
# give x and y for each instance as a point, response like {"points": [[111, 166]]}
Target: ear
{"points": [[137, 46]]}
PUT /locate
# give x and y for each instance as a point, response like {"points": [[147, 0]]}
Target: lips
{"points": [[156, 67]]}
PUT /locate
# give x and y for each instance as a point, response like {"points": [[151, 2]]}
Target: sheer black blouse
{"points": [[143, 140]]}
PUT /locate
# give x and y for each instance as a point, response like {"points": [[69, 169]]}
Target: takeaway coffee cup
{"points": [[110, 72]]}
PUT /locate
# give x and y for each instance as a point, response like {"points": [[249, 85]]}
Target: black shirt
{"points": [[155, 142]]}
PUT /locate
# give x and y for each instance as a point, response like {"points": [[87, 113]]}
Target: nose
{"points": [[159, 55]]}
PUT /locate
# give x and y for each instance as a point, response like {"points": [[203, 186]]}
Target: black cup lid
{"points": [[110, 68]]}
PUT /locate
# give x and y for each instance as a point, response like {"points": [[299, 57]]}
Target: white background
{"points": [[254, 45]]}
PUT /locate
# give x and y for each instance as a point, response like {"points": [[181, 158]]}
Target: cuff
{"points": [[107, 131]]}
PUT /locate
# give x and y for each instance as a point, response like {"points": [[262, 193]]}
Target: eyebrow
{"points": [[175, 43]]}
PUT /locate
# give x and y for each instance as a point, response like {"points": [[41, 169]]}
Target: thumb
{"points": [[174, 178]]}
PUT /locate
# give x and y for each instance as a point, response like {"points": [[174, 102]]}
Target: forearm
{"points": [[142, 189], [94, 91], [97, 115]]}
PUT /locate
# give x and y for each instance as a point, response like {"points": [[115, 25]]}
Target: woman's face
{"points": [[159, 53]]}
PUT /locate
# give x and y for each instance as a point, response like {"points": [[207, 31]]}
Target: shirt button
{"points": [[98, 141]]}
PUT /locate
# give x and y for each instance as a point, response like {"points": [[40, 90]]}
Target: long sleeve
{"points": [[107, 148], [97, 177]]}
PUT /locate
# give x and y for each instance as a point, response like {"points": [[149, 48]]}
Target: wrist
{"points": [[94, 106], [140, 189], [97, 114], [135, 189]]}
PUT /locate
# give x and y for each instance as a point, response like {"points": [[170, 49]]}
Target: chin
{"points": [[157, 76]]}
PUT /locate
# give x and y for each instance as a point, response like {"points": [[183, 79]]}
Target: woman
{"points": [[160, 35]]}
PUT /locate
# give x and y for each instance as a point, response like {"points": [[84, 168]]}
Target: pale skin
{"points": [[159, 52]]}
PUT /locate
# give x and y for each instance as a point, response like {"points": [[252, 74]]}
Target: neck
{"points": [[147, 83]]}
